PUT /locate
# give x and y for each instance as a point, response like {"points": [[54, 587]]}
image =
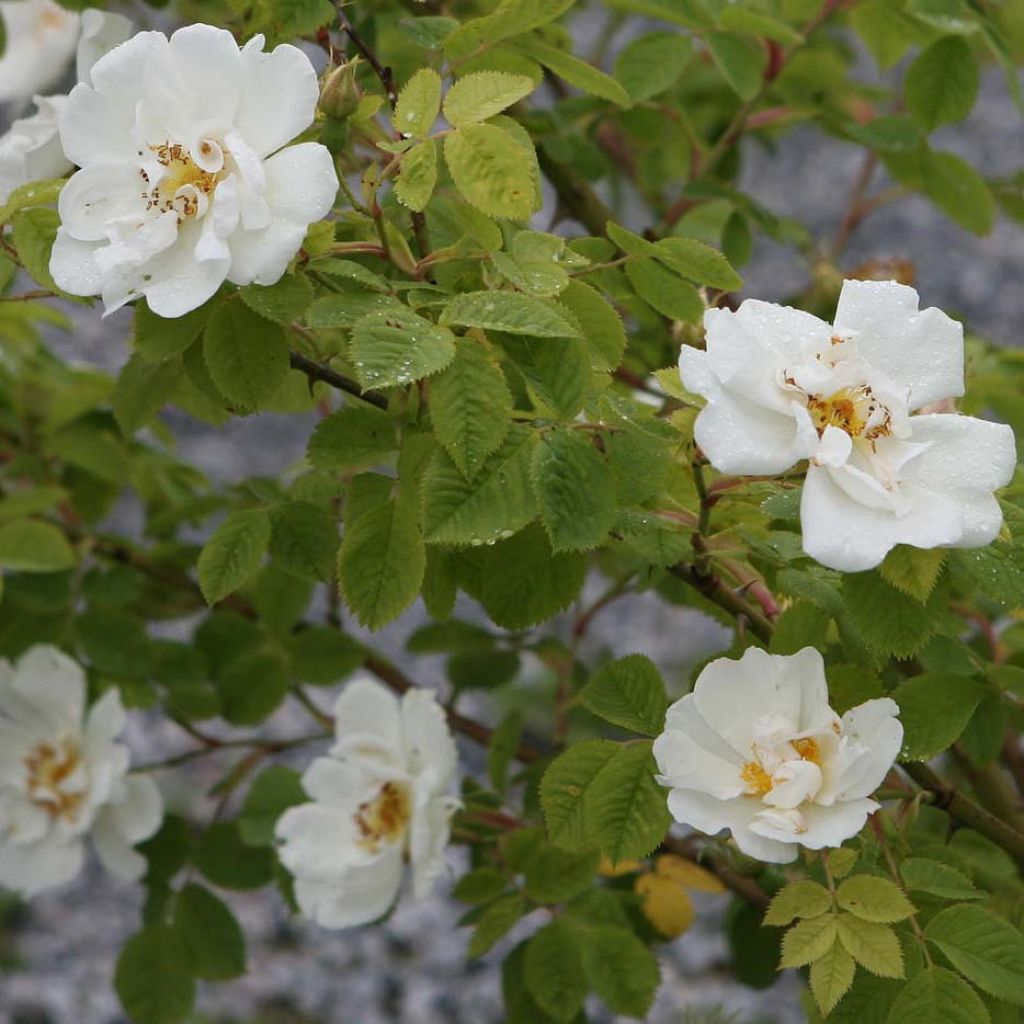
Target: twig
{"points": [[382, 71], [712, 587], [318, 372]]}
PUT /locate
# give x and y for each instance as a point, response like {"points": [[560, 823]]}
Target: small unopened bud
{"points": [[339, 95]]}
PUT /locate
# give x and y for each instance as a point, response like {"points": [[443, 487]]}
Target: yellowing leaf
{"points": [[665, 904], [623, 867], [687, 873]]}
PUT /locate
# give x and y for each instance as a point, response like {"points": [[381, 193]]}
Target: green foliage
{"points": [[154, 978], [234, 553], [247, 356], [628, 692]]}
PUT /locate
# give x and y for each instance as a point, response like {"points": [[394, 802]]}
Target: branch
{"points": [[318, 372], [712, 587], [575, 194], [383, 72]]}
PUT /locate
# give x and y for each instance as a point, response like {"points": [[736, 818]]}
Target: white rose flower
{"points": [[31, 148], [41, 38], [381, 798], [63, 778], [184, 182], [756, 749], [783, 386]]}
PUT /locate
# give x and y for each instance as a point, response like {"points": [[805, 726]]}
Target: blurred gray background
{"points": [[57, 955]]}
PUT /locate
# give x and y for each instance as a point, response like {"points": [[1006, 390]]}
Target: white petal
{"points": [[53, 685], [319, 842], [429, 746], [794, 782], [180, 282], [29, 869], [115, 852], [367, 712], [832, 826], [732, 695], [427, 842], [967, 460], [195, 83], [98, 195], [73, 265], [341, 785], [875, 727], [97, 124], [279, 97], [691, 755], [101, 32], [31, 149], [846, 535], [360, 895], [138, 814], [708, 815], [106, 719], [302, 183], [262, 256], [40, 41], [922, 350], [791, 335]]}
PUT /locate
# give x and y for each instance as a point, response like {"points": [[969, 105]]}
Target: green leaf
{"points": [[831, 977], [664, 291], [574, 487], [495, 922], [960, 192], [274, 790], [497, 502], [491, 170], [157, 338], [479, 96], [808, 941], [521, 581], [142, 390], [620, 969], [920, 874], [480, 885], [652, 63], [798, 899], [359, 436], [417, 175], [510, 312], [471, 407], [211, 933], [624, 808], [509, 18], [419, 103], [556, 372], [553, 970], [247, 356], [555, 875], [35, 193], [234, 553], [253, 687], [599, 321], [381, 561], [935, 708], [562, 789], [33, 231], [889, 621], [115, 642], [323, 655], [915, 571], [225, 860], [282, 302], [748, 21], [154, 978], [942, 83], [303, 540], [984, 947], [873, 899], [740, 60], [27, 545], [577, 72], [502, 749], [396, 346], [938, 996], [698, 262], [628, 692], [873, 945]]}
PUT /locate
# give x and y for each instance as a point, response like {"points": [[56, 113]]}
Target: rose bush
{"points": [[406, 221]]}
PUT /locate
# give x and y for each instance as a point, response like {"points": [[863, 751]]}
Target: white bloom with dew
{"points": [[63, 778], [31, 149], [41, 39], [782, 385], [756, 749], [381, 798], [184, 180]]}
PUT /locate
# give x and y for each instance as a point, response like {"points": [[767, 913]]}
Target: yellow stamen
{"points": [[385, 818], [808, 749], [756, 778], [851, 410], [48, 767]]}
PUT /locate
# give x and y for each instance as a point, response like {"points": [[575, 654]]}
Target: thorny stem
{"points": [[318, 372]]}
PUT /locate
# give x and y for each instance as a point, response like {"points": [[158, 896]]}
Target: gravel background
{"points": [[56, 957]]}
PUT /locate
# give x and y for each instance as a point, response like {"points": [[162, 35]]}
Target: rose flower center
{"points": [[48, 768], [184, 186], [385, 818], [854, 410]]}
